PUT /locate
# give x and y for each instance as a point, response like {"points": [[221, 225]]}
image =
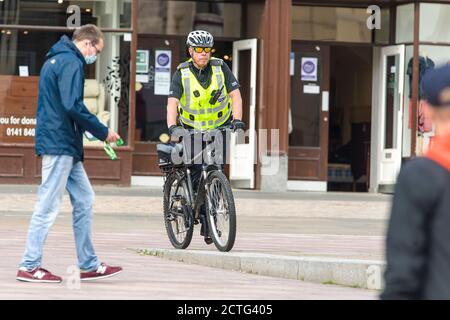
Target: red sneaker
{"points": [[37, 275], [103, 271]]}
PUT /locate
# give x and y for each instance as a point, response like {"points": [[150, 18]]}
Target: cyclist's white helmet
{"points": [[200, 38]]}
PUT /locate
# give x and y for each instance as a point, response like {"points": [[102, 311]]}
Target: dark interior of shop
{"points": [[350, 118]]}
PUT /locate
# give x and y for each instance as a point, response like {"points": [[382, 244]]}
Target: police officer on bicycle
{"points": [[190, 104]]}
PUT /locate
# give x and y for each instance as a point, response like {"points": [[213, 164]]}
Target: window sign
{"points": [[23, 71], [163, 61], [309, 69], [142, 61], [17, 128], [292, 64]]}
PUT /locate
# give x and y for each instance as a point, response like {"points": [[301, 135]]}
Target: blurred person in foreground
{"points": [[418, 238]]}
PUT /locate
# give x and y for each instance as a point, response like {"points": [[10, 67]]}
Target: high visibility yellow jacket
{"points": [[195, 109]]}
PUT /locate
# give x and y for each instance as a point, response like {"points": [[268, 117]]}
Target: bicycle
{"points": [[182, 204]]}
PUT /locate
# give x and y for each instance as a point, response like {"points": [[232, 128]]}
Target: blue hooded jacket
{"points": [[62, 116]]}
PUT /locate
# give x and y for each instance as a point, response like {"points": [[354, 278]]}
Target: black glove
{"points": [[237, 124], [176, 131]]}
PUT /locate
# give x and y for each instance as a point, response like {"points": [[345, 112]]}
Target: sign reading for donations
{"points": [[17, 129], [18, 101]]}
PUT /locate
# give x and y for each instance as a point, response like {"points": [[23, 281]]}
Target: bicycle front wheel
{"points": [[221, 211], [177, 219]]}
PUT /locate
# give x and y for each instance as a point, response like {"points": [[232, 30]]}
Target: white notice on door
{"points": [[142, 78], [163, 60], [23, 71], [127, 37], [311, 89], [292, 64], [309, 69]]}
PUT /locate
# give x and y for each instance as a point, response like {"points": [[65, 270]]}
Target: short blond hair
{"points": [[88, 32]]}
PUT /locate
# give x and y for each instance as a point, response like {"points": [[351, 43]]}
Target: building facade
{"points": [[335, 82]]}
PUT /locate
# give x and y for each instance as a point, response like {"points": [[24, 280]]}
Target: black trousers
{"points": [[220, 156], [219, 147]]}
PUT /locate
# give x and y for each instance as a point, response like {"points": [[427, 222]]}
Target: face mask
{"points": [[90, 59]]}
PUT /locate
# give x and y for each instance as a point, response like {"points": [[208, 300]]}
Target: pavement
{"points": [[303, 226]]}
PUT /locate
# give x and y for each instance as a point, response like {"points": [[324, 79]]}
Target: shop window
{"points": [[106, 91], [330, 24], [112, 14], [25, 48], [434, 29], [430, 56], [382, 35], [151, 101], [405, 23], [209, 7], [180, 17], [23, 53], [435, 56]]}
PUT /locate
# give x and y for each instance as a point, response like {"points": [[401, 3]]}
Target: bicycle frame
{"points": [[213, 191], [184, 173]]}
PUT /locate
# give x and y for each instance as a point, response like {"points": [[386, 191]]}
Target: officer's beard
{"points": [[200, 68]]}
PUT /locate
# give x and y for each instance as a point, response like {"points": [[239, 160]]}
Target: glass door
{"points": [[242, 153], [391, 113]]}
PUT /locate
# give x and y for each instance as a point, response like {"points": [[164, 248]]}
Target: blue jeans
{"points": [[59, 173]]}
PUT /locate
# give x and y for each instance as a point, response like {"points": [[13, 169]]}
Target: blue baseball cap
{"points": [[434, 83]]}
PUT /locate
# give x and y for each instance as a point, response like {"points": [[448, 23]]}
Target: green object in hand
{"points": [[109, 149]]}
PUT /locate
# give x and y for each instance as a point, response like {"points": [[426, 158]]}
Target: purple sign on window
{"points": [[309, 69], [163, 59]]}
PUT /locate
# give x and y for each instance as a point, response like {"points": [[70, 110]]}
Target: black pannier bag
{"points": [[165, 152]]}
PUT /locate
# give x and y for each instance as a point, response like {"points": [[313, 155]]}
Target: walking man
{"points": [[62, 119]]}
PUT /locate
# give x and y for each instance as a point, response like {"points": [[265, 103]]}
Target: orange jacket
{"points": [[439, 151]]}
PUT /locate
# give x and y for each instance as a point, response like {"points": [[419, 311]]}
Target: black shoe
{"points": [[208, 240]]}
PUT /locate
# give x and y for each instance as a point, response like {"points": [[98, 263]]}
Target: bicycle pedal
{"points": [[170, 217], [176, 197]]}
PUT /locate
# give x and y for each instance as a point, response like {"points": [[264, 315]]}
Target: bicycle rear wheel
{"points": [[220, 211], [177, 214]]}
